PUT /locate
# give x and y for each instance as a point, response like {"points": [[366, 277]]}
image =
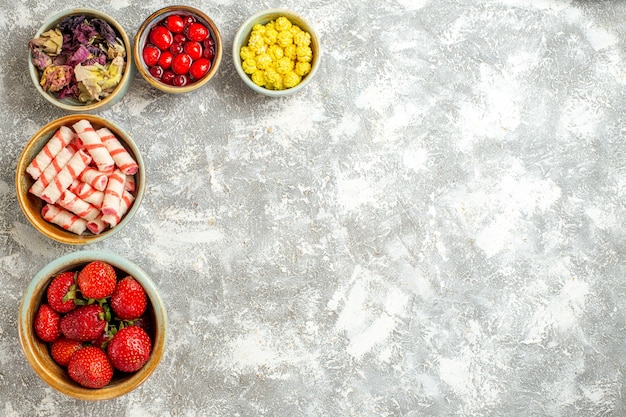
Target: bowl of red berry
{"points": [[178, 49], [92, 325]]}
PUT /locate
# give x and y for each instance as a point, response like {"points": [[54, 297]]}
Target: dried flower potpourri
{"points": [[81, 58], [278, 54]]}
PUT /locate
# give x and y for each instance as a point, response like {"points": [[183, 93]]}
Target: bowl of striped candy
{"points": [[80, 179]]}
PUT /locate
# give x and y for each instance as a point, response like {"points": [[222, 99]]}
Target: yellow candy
{"points": [[302, 68], [284, 65], [273, 79], [290, 52], [249, 66], [282, 23], [246, 53], [270, 36], [258, 77], [276, 52], [256, 42], [259, 28], [295, 30], [277, 55], [291, 79], [263, 61], [304, 53], [285, 38], [302, 38]]}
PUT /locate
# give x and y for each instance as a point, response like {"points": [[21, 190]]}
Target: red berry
{"points": [[176, 48], [62, 350], [97, 280], [47, 323], [129, 349], [193, 49], [199, 68], [180, 38], [151, 55], [174, 23], [85, 323], [165, 60], [180, 80], [161, 37], [181, 64], [156, 71], [197, 32], [189, 19], [90, 367], [168, 77], [129, 300], [208, 42], [209, 52], [62, 292]]}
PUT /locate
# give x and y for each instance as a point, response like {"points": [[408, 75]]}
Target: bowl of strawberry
{"points": [[92, 325], [177, 49]]}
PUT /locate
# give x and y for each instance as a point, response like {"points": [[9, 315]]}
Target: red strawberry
{"points": [[62, 350], [47, 323], [90, 367], [128, 301], [97, 280], [129, 349], [85, 323], [62, 291]]}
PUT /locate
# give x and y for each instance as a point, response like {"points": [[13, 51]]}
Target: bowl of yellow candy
{"points": [[276, 52]]}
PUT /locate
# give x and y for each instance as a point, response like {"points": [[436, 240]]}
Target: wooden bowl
{"points": [[37, 353], [141, 39], [31, 205]]}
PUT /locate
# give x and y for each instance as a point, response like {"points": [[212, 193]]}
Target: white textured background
{"points": [[433, 228]]}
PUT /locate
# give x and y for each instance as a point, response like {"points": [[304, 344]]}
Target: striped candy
{"points": [[122, 158], [71, 202], [58, 141], [94, 146], [77, 163], [52, 170], [113, 193], [95, 178], [125, 202], [64, 219]]}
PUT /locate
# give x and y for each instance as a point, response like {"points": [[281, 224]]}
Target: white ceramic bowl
{"points": [[263, 17], [70, 104]]}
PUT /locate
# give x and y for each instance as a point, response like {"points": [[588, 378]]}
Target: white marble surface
{"points": [[433, 228]]}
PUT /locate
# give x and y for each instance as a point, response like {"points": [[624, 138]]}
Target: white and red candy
{"points": [[77, 163], [86, 177], [93, 144], [120, 155], [52, 170], [62, 137], [97, 179], [64, 219], [71, 202]]}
